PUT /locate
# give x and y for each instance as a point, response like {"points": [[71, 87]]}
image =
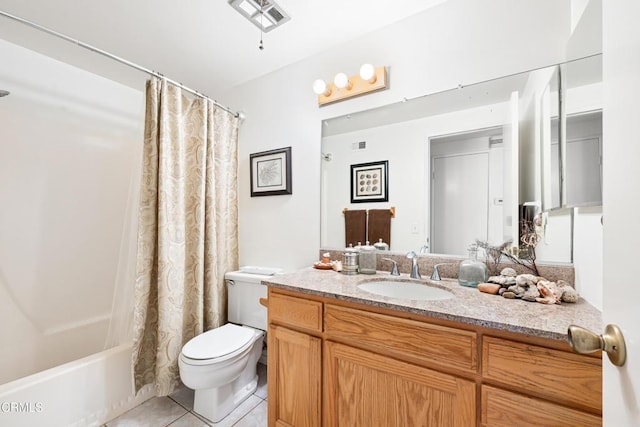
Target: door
{"points": [[621, 204], [460, 202], [584, 178], [295, 379], [367, 389]]}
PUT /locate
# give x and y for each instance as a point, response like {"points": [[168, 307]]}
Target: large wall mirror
{"points": [[461, 163]]}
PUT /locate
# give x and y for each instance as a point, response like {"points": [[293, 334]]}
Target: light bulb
{"points": [[342, 81], [320, 88], [368, 73]]}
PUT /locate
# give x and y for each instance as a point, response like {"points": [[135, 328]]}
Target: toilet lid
{"points": [[217, 342]]}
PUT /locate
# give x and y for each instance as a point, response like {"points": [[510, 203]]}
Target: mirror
{"points": [[471, 148], [576, 152]]}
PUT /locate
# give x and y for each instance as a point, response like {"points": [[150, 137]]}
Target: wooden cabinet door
{"points": [[367, 389], [294, 378]]}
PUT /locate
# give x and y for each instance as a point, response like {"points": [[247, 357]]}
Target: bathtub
{"points": [[85, 392], [70, 166]]}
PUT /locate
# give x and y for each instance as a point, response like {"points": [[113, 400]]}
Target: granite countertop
{"points": [[467, 306]]}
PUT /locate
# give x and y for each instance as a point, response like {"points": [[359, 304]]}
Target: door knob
{"points": [[612, 341]]}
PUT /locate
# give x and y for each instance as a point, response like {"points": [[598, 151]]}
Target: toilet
{"points": [[220, 364]]}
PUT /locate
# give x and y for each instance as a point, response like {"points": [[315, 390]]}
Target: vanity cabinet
{"points": [[337, 363]]}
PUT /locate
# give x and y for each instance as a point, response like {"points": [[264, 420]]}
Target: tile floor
{"points": [[176, 410]]}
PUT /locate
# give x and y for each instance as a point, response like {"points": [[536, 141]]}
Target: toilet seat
{"points": [[217, 345]]}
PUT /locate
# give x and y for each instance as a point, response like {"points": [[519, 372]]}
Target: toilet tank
{"points": [[244, 291]]}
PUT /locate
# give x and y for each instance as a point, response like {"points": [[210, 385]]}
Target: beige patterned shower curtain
{"points": [[188, 229]]}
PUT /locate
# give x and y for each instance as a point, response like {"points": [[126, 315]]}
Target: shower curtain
{"points": [[188, 229]]}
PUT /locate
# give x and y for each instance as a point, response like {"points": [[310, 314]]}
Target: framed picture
{"points": [[369, 182], [271, 172]]}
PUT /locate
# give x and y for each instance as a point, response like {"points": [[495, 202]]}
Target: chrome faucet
{"points": [[435, 275], [415, 272], [394, 268]]}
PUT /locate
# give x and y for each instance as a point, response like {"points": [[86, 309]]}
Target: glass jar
{"points": [[367, 260], [381, 246], [471, 271]]}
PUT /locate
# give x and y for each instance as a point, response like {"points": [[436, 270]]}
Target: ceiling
{"points": [[204, 44]]}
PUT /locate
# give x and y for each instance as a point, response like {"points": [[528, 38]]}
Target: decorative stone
{"points": [[509, 295], [509, 272], [549, 291], [546, 300], [517, 290], [527, 279], [502, 291], [489, 288], [502, 280], [531, 294], [569, 293]]}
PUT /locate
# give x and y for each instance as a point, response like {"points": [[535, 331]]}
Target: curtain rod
{"points": [[115, 58]]}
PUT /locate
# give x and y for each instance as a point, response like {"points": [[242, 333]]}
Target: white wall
{"points": [[70, 151], [457, 42]]}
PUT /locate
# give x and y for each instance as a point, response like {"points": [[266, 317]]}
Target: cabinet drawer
{"points": [[405, 339], [563, 377], [501, 408], [295, 312]]}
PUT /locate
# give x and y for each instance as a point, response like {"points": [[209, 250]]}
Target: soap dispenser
{"points": [[471, 271]]}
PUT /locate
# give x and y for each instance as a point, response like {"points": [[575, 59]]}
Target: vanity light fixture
{"points": [[368, 80]]}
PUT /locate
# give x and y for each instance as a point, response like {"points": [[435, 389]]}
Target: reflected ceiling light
{"points": [[368, 80]]}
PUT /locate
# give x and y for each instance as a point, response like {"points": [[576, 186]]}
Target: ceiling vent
{"points": [[264, 14], [360, 145]]}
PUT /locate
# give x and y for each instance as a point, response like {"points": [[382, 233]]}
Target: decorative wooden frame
{"points": [[271, 172], [370, 182]]}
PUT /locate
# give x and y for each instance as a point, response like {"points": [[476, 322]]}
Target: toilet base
{"points": [[216, 403]]}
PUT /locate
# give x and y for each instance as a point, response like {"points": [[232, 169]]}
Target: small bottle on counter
{"points": [[471, 272], [350, 260], [367, 261]]}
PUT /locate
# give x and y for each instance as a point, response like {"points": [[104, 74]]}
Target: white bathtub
{"points": [[85, 392]]}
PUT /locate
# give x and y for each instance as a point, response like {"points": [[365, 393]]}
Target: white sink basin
{"points": [[405, 290]]}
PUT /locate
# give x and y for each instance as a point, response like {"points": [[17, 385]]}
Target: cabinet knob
{"points": [[584, 341]]}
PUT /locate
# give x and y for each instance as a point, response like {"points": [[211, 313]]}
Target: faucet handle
{"points": [[435, 275], [394, 267]]}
